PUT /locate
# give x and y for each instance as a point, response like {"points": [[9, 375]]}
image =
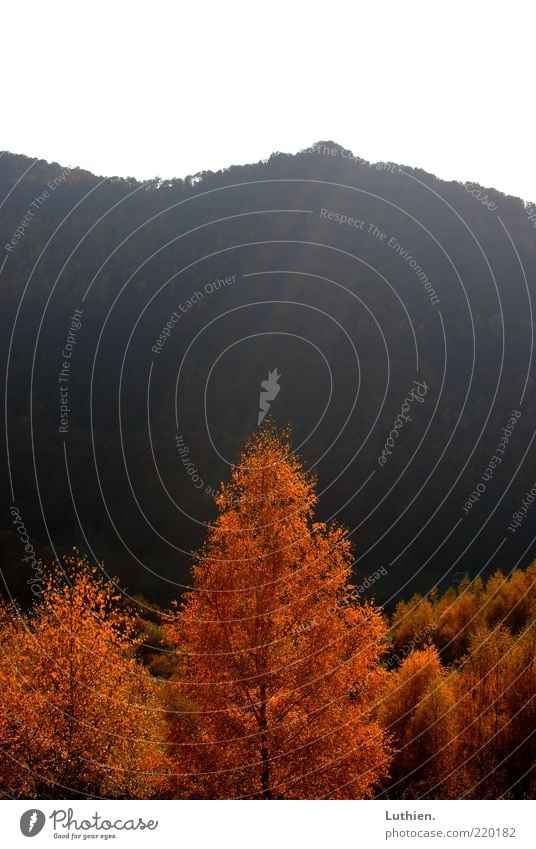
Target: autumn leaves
{"points": [[270, 651], [270, 678], [79, 715], [462, 710]]}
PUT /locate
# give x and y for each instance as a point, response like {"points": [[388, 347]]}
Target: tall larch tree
{"points": [[281, 660]]}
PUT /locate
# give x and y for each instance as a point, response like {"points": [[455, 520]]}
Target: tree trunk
{"points": [[265, 756]]}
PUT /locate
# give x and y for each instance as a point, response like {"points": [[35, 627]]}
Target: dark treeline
{"points": [[338, 306]]}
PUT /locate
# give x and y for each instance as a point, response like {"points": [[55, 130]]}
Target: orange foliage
{"points": [[484, 713], [273, 685], [452, 619], [78, 714], [496, 714], [417, 710], [282, 664]]}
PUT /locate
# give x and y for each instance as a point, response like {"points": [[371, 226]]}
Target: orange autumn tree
{"points": [[78, 714], [418, 710], [279, 657]]}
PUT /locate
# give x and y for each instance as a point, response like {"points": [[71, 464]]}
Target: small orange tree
{"points": [[279, 657], [418, 709], [78, 714]]}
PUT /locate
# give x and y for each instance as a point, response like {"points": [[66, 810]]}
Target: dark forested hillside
{"points": [[138, 321]]}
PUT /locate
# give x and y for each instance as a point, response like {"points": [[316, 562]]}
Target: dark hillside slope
{"points": [[138, 321]]}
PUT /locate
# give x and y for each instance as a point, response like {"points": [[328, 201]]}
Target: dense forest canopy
{"points": [[138, 321], [272, 677]]}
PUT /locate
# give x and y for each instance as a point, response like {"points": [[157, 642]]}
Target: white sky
{"points": [[170, 88]]}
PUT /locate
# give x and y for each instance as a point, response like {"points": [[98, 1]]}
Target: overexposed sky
{"points": [[167, 89]]}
